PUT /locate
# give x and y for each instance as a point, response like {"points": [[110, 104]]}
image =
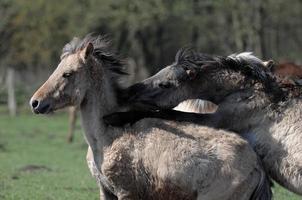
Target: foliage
{"points": [[33, 31]]}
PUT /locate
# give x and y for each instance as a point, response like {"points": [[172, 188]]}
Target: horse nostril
{"points": [[34, 103]]}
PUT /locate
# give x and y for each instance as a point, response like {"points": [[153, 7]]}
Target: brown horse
{"points": [[250, 102], [153, 159], [287, 69], [289, 73]]}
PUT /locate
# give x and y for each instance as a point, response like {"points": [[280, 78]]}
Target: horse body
{"points": [[153, 159], [276, 134], [249, 101], [166, 166]]}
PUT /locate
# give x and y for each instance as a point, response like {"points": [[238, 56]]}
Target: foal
{"points": [[153, 159], [250, 102]]}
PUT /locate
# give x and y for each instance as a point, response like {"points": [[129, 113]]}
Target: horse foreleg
{"points": [[104, 195]]}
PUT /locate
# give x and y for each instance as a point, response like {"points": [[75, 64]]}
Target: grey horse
{"points": [[251, 102]]}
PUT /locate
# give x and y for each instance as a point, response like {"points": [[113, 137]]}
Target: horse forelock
{"points": [[102, 53]]}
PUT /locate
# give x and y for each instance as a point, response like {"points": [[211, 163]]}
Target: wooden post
{"points": [[11, 98], [72, 123]]}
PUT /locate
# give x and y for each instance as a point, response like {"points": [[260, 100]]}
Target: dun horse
{"points": [[153, 159], [249, 99], [289, 74]]}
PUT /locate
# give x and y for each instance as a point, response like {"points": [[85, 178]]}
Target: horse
{"points": [[153, 158], [289, 73], [251, 102], [287, 69]]}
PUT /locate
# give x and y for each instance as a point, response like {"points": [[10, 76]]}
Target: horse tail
{"points": [[196, 106], [263, 191]]}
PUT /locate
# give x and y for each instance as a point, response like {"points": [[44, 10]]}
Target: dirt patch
{"points": [[3, 147], [34, 168], [29, 169], [52, 136], [15, 177], [88, 189]]}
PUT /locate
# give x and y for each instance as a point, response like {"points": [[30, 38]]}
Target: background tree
{"points": [[149, 32]]}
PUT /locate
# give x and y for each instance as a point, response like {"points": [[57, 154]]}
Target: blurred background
{"points": [[36, 162]]}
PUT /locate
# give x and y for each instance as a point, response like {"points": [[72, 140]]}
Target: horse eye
{"points": [[185, 68], [66, 75], [165, 85]]}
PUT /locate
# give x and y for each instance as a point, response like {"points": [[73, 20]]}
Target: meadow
{"points": [[37, 163]]}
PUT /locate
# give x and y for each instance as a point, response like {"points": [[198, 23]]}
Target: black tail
{"points": [[263, 191]]}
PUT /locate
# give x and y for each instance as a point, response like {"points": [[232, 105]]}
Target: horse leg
{"points": [[104, 195], [94, 171], [256, 187]]}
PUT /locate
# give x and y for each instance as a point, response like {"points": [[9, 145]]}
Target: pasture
{"points": [[37, 163]]}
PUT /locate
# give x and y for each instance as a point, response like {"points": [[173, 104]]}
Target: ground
{"points": [[36, 162]]}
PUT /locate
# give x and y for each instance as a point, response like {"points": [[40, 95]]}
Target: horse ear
{"points": [[87, 51], [270, 64], [192, 73]]}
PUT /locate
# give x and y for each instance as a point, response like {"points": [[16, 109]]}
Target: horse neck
{"points": [[99, 101], [245, 111], [253, 112], [273, 130], [279, 144]]}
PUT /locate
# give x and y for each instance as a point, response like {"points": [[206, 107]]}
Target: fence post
{"points": [[11, 98]]}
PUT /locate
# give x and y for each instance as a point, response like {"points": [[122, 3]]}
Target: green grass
{"points": [[41, 141]]}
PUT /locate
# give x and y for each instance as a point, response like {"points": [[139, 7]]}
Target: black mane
{"points": [[102, 51], [251, 67]]}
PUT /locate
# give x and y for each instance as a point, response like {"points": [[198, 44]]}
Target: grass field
{"points": [[37, 163]]}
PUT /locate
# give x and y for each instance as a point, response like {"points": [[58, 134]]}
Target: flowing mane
{"points": [[102, 51], [246, 63], [102, 54]]}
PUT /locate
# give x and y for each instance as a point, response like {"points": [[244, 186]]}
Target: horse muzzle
{"points": [[40, 106]]}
